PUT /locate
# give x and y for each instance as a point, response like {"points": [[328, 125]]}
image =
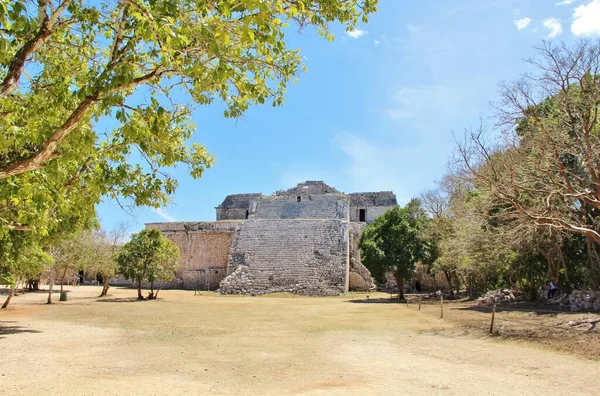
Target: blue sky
{"points": [[377, 108]]}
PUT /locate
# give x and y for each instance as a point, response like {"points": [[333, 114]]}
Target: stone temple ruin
{"points": [[303, 240]]}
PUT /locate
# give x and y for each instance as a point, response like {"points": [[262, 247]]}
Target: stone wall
{"points": [[360, 278], [300, 256], [232, 214], [330, 206], [371, 212], [381, 198], [236, 206], [310, 187], [203, 251], [373, 203]]}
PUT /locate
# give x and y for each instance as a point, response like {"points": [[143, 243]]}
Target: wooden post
{"points": [[420, 298], [442, 307], [492, 322]]}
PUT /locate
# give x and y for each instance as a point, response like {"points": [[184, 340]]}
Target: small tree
{"points": [[105, 247], [394, 242], [27, 263], [72, 255], [149, 256]]}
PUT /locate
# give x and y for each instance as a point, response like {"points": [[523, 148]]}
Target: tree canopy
{"points": [[395, 242], [67, 64], [522, 197], [148, 256]]}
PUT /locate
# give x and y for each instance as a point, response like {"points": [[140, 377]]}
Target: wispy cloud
{"points": [[565, 2], [378, 166], [163, 214], [416, 102], [522, 23], [356, 33], [586, 19], [554, 26]]}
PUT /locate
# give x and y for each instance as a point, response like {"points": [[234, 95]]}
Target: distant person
{"points": [[553, 288]]}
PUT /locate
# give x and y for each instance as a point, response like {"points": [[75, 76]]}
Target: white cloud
{"points": [[376, 42], [379, 165], [356, 33], [162, 213], [554, 26], [522, 23], [565, 2], [415, 103], [586, 19]]}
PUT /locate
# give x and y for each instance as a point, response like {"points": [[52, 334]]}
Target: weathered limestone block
{"points": [[203, 252], [330, 206], [360, 277], [299, 256]]}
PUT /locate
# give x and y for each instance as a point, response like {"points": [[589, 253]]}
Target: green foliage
{"points": [[65, 65], [103, 252], [395, 242], [22, 259], [149, 256]]}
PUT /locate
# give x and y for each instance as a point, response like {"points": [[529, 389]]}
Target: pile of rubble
{"points": [[498, 296], [578, 300]]}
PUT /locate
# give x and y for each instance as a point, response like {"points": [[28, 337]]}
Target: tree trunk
{"points": [[593, 263], [157, 290], [104, 287], [151, 297], [62, 280], [400, 285], [449, 280], [10, 296], [50, 287], [139, 289]]}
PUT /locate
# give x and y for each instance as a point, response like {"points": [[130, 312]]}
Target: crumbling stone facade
{"points": [[203, 251], [302, 240], [302, 256]]}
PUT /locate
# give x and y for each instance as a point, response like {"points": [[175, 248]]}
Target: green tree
{"points": [[21, 259], [148, 256], [105, 247], [143, 65], [395, 242], [544, 173], [71, 254]]}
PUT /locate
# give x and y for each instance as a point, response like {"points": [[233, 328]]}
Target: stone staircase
{"points": [[299, 256]]}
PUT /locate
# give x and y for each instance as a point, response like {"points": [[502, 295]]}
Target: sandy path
{"points": [[263, 346]]}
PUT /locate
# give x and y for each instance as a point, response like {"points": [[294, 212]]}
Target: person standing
{"points": [[553, 288]]}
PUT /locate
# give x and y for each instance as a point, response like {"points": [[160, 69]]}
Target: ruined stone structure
{"points": [[303, 240]]}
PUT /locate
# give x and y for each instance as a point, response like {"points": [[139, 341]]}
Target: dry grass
{"points": [[536, 323], [269, 345]]}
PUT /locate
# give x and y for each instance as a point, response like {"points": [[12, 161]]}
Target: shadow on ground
{"points": [[119, 299], [11, 329], [393, 300], [535, 308]]}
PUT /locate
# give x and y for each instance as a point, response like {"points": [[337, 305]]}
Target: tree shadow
{"points": [[534, 308], [393, 300], [11, 329], [119, 299]]}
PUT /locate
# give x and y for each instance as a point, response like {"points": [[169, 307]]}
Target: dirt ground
{"points": [[271, 345], [536, 323]]}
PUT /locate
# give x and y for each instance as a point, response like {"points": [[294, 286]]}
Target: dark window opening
{"points": [[299, 199], [362, 215], [247, 214]]}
